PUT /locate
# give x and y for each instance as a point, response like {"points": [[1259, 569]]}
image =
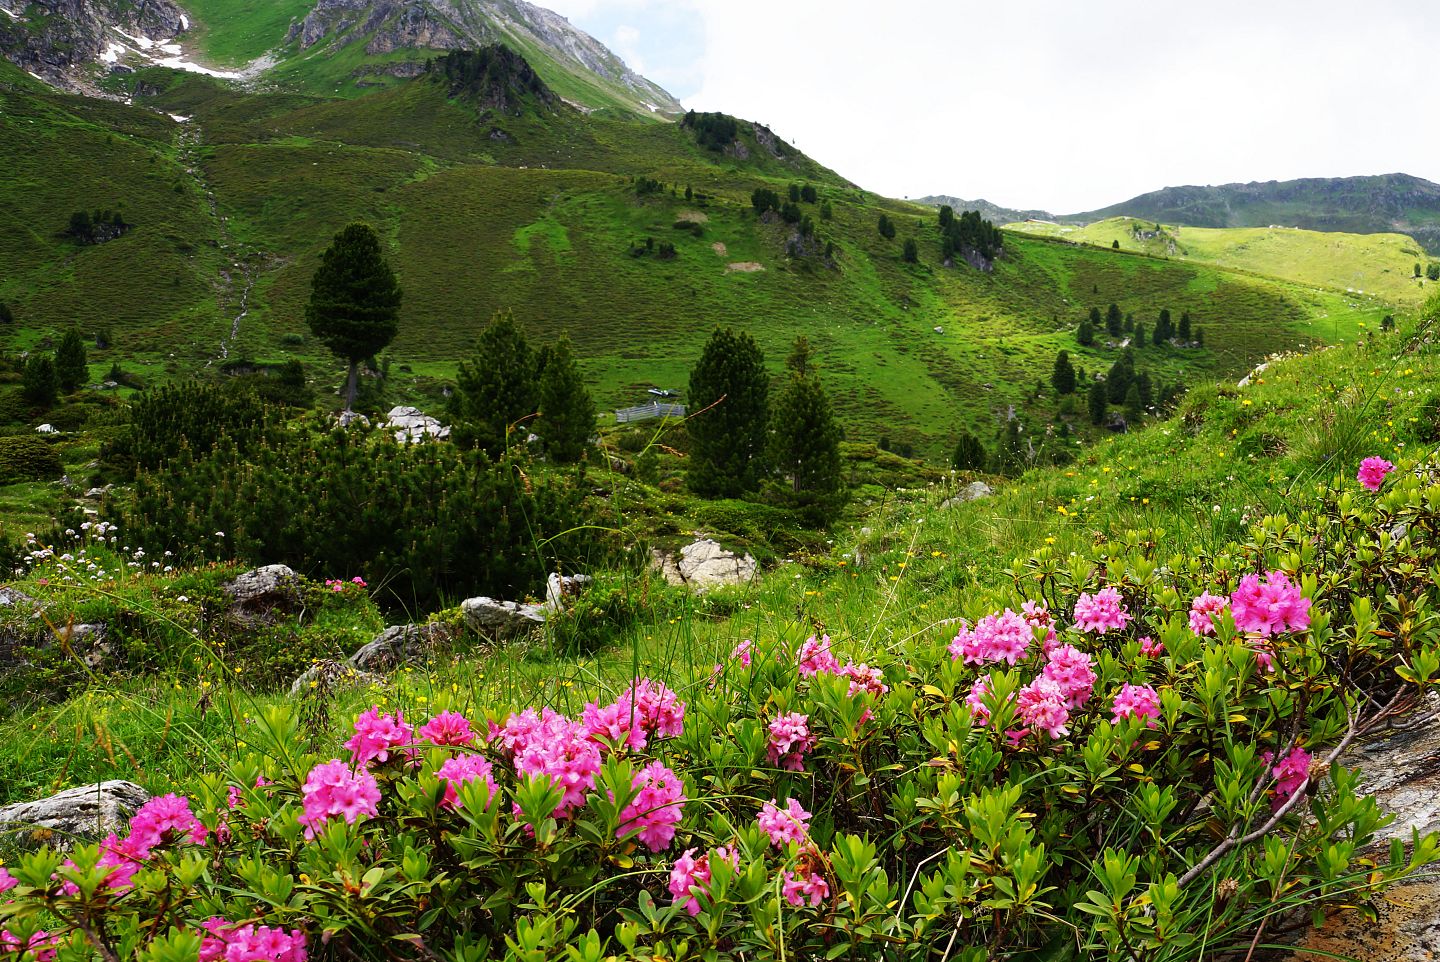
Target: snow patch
{"points": [[113, 52], [12, 13], [176, 63], [178, 119], [184, 22], [174, 56]]}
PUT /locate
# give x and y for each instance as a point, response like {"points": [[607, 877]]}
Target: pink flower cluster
{"points": [[807, 885], [227, 942], [1101, 612], [790, 739], [41, 946], [552, 745], [999, 637], [1038, 616], [691, 875], [456, 771], [7, 881], [1271, 607], [1372, 472], [163, 820], [648, 710], [335, 584], [1041, 705], [1064, 684], [1203, 609], [447, 728], [1136, 701], [979, 689], [376, 734], [816, 658], [1150, 648], [742, 652], [333, 788], [656, 810], [790, 824], [1290, 773], [865, 679]]}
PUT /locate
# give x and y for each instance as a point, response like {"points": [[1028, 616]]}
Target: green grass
{"points": [[232, 34], [1372, 265]]}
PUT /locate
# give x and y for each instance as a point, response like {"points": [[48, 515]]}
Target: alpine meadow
{"points": [[462, 500]]}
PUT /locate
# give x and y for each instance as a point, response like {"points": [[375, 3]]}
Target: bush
{"points": [[1142, 762], [26, 457]]}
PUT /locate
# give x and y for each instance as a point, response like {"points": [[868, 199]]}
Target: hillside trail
{"points": [[233, 292]]}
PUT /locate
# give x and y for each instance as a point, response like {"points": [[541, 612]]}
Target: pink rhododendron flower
{"points": [[790, 739], [816, 658], [7, 881], [122, 856], [1042, 705], [41, 945], [227, 942], [164, 819], [1150, 648], [1005, 637], [1069, 668], [863, 678], [1269, 608], [790, 824], [1202, 609], [447, 728], [1372, 472], [1101, 612], [376, 734], [552, 745], [690, 875], [647, 710], [798, 888], [656, 810], [976, 700], [461, 769], [333, 789], [742, 652], [1038, 616], [1290, 773], [1137, 701]]}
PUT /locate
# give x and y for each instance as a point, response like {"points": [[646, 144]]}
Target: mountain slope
{"points": [[1388, 203], [1374, 264], [991, 212]]}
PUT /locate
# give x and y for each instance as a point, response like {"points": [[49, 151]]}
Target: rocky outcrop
{"points": [[85, 812], [261, 590], [410, 424], [560, 589], [330, 676], [399, 645], [53, 39], [973, 491], [704, 564], [499, 620]]}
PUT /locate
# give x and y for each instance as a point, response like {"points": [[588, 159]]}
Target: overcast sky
{"points": [[1065, 105]]}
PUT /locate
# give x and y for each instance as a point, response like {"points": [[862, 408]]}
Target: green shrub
{"points": [[26, 457]]}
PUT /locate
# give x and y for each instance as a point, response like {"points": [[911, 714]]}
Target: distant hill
{"points": [[991, 212], [1387, 203]]}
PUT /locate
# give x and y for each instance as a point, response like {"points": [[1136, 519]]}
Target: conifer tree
{"points": [[496, 387], [1114, 320], [1163, 327], [1134, 410], [1062, 379], [805, 440], [1009, 452], [1199, 337], [567, 411], [40, 385], [1095, 319], [969, 454], [1143, 385], [1184, 331], [1139, 335], [912, 251], [729, 415], [354, 300], [1433, 271], [70, 367], [1121, 373], [1097, 403], [7, 316], [886, 228], [1085, 333]]}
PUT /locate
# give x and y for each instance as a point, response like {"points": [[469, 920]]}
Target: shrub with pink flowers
{"points": [[1011, 781]]}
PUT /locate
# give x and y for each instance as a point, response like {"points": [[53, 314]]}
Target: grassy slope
{"points": [[1229, 457], [540, 223], [1376, 264], [232, 34]]}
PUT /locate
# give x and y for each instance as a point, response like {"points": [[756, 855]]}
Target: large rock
{"points": [[705, 564], [559, 589], [13, 600], [259, 590], [400, 644], [973, 491], [330, 676], [87, 812], [501, 619], [410, 424], [1400, 770]]}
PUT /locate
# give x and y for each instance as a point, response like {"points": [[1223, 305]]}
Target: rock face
{"points": [[259, 590], [559, 589], [705, 564], [1400, 771], [973, 491], [410, 424], [331, 676], [53, 39], [501, 619], [87, 812], [400, 644]]}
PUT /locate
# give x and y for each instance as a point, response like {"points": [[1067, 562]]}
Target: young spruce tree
{"points": [[496, 387], [1062, 379], [805, 440], [1097, 402], [354, 301], [729, 415], [969, 454], [70, 362], [567, 412], [40, 386]]}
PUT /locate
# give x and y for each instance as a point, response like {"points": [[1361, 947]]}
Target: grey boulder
{"points": [[501, 619], [87, 812]]}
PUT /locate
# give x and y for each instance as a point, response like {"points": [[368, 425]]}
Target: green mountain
{"points": [[991, 212], [636, 238], [1388, 203]]}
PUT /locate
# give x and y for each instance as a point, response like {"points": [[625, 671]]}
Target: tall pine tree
{"points": [[70, 361], [496, 388], [729, 415], [969, 454], [567, 411], [1097, 402], [1062, 379], [805, 440], [40, 385], [354, 301]]}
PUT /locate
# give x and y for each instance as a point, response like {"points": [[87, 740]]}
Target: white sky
{"points": [[1065, 105]]}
